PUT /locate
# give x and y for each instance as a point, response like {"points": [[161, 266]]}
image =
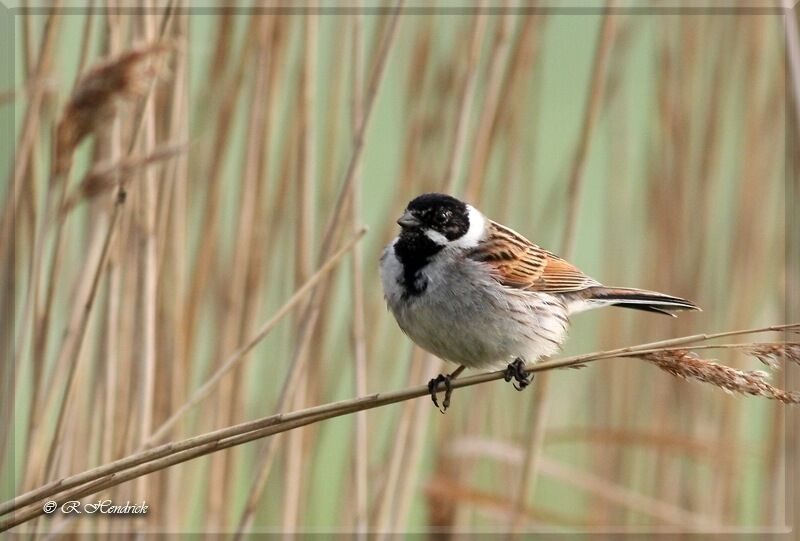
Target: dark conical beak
{"points": [[408, 220]]}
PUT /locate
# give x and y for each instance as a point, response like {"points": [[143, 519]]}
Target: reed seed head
{"points": [[96, 95], [771, 353], [688, 365]]}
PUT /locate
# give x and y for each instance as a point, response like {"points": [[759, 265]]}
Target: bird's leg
{"points": [[433, 385], [516, 371]]}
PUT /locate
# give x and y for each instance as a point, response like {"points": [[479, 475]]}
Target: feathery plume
{"points": [[96, 95], [771, 353], [688, 365], [104, 176]]}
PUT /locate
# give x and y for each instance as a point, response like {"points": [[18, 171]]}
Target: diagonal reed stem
{"points": [[234, 358], [166, 455]]}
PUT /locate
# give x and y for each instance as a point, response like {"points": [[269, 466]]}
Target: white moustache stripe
{"points": [[436, 237]]}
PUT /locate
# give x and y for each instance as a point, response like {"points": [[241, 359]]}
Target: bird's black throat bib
{"points": [[414, 250]]}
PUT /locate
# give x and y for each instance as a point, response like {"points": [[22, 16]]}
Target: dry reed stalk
{"points": [[304, 239], [25, 215], [409, 484], [773, 508], [42, 315], [497, 85], [8, 245], [276, 213], [526, 69], [792, 223], [111, 382], [598, 487], [376, 75], [441, 514], [418, 76], [148, 269], [698, 449], [114, 293], [222, 61], [481, 419], [668, 168], [232, 287], [45, 456], [325, 335], [172, 453], [102, 178], [709, 158], [86, 39], [748, 266], [174, 256], [212, 172], [358, 333], [629, 499], [467, 94], [605, 39], [24, 151], [256, 164], [41, 320], [447, 494], [384, 507], [335, 116], [306, 329], [311, 311], [35, 466], [606, 460], [28, 48], [30, 126], [701, 198], [793, 55], [238, 327]]}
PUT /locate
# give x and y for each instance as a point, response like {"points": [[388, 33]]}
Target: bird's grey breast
{"points": [[465, 316], [459, 316]]}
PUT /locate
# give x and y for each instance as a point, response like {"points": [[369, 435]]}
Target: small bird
{"points": [[480, 295]]}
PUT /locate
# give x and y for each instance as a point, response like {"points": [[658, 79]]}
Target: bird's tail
{"points": [[639, 299]]}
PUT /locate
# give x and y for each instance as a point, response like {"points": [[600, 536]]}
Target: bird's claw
{"points": [[516, 371], [433, 385]]}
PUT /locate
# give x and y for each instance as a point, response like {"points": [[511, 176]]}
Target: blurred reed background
{"points": [[649, 148]]}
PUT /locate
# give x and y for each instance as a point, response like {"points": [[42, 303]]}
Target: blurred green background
{"points": [[681, 190]]}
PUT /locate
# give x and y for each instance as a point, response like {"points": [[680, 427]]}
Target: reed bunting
{"points": [[480, 295]]}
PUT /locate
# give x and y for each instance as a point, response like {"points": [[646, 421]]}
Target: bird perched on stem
{"points": [[480, 295]]}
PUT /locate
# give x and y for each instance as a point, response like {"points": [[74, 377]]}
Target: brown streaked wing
{"points": [[517, 262]]}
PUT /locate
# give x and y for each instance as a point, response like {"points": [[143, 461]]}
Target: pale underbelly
{"points": [[479, 335]]}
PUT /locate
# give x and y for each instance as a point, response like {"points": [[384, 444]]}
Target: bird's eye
{"points": [[442, 216]]}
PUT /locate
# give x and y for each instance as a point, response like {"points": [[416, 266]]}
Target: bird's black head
{"points": [[431, 223], [442, 217]]}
